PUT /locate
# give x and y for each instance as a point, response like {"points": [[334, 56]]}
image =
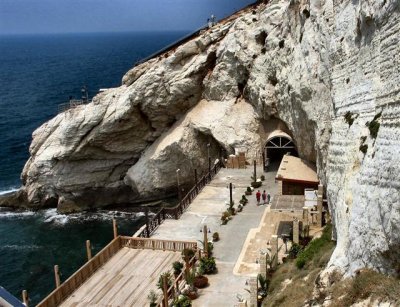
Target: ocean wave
{"points": [[19, 247], [11, 190], [56, 218], [16, 214]]}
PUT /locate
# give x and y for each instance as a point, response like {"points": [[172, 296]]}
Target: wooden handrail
{"points": [[176, 211], [81, 275]]}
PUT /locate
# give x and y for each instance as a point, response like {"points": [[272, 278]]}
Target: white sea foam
{"points": [[19, 247], [15, 214], [9, 191]]}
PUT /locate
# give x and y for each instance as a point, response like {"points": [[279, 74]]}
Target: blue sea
{"points": [[38, 73]]}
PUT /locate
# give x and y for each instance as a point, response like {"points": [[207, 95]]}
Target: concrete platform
{"points": [[207, 209]]}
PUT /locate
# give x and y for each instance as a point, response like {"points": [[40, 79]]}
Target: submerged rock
{"points": [[327, 73]]}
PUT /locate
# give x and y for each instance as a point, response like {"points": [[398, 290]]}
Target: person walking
{"points": [[258, 196], [268, 198], [264, 197]]}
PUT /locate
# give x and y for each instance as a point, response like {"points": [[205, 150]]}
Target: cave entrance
{"points": [[278, 144]]}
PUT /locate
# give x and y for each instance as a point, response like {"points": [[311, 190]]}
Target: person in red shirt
{"points": [[258, 196]]}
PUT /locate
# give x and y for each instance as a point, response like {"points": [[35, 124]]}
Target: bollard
{"points": [[57, 276], [25, 298], [115, 228], [88, 250]]}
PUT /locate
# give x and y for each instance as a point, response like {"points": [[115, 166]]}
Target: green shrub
{"points": [[187, 254], [248, 190], [215, 236], [262, 177], [207, 266], [182, 301], [152, 297], [160, 283], [244, 200], [177, 266], [256, 184], [313, 247], [294, 250]]}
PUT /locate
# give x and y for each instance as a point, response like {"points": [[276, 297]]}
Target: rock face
{"points": [[326, 70]]}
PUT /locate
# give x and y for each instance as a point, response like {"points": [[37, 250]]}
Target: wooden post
{"points": [[115, 229], [205, 241], [199, 256], [296, 230], [57, 276], [165, 291], [147, 222], [88, 250], [255, 170], [25, 299], [230, 193]]}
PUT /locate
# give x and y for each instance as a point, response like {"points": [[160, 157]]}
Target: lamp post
{"points": [[177, 181]]}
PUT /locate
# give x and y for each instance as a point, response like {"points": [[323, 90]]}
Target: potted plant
{"points": [[187, 254], [248, 191], [207, 265], [225, 217], [200, 281], [152, 297], [190, 290], [262, 177], [256, 184], [215, 237], [177, 266], [244, 200], [182, 301], [240, 208]]}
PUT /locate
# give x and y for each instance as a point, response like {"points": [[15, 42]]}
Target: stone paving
{"points": [[206, 209]]}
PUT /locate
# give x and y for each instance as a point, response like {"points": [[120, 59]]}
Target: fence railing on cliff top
{"points": [[176, 211], [62, 292]]}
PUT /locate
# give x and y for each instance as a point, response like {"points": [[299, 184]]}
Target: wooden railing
{"points": [[176, 211], [80, 276], [61, 293], [157, 244], [177, 286]]}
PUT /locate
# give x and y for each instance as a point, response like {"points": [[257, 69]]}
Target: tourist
{"points": [[264, 197], [268, 198], [258, 196]]}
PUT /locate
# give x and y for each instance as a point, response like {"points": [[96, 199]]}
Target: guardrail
{"points": [[62, 292], [80, 276], [157, 244], [176, 211]]}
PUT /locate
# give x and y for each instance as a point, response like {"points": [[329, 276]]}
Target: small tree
{"points": [[152, 297]]}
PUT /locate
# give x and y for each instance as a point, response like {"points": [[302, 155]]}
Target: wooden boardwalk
{"points": [[125, 280]]}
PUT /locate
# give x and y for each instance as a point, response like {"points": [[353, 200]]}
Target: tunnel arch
{"points": [[278, 144]]}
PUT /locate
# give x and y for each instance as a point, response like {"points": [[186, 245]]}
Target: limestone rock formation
{"points": [[327, 70]]}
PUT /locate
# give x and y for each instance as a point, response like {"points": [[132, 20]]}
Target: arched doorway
{"points": [[278, 144]]}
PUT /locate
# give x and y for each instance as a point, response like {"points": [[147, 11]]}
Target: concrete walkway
{"points": [[207, 209]]}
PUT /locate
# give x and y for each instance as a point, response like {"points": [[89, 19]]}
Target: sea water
{"points": [[37, 73]]}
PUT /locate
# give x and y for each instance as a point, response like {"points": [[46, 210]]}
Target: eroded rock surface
{"points": [[304, 63]]}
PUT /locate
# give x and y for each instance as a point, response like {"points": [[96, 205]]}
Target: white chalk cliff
{"points": [[303, 63]]}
